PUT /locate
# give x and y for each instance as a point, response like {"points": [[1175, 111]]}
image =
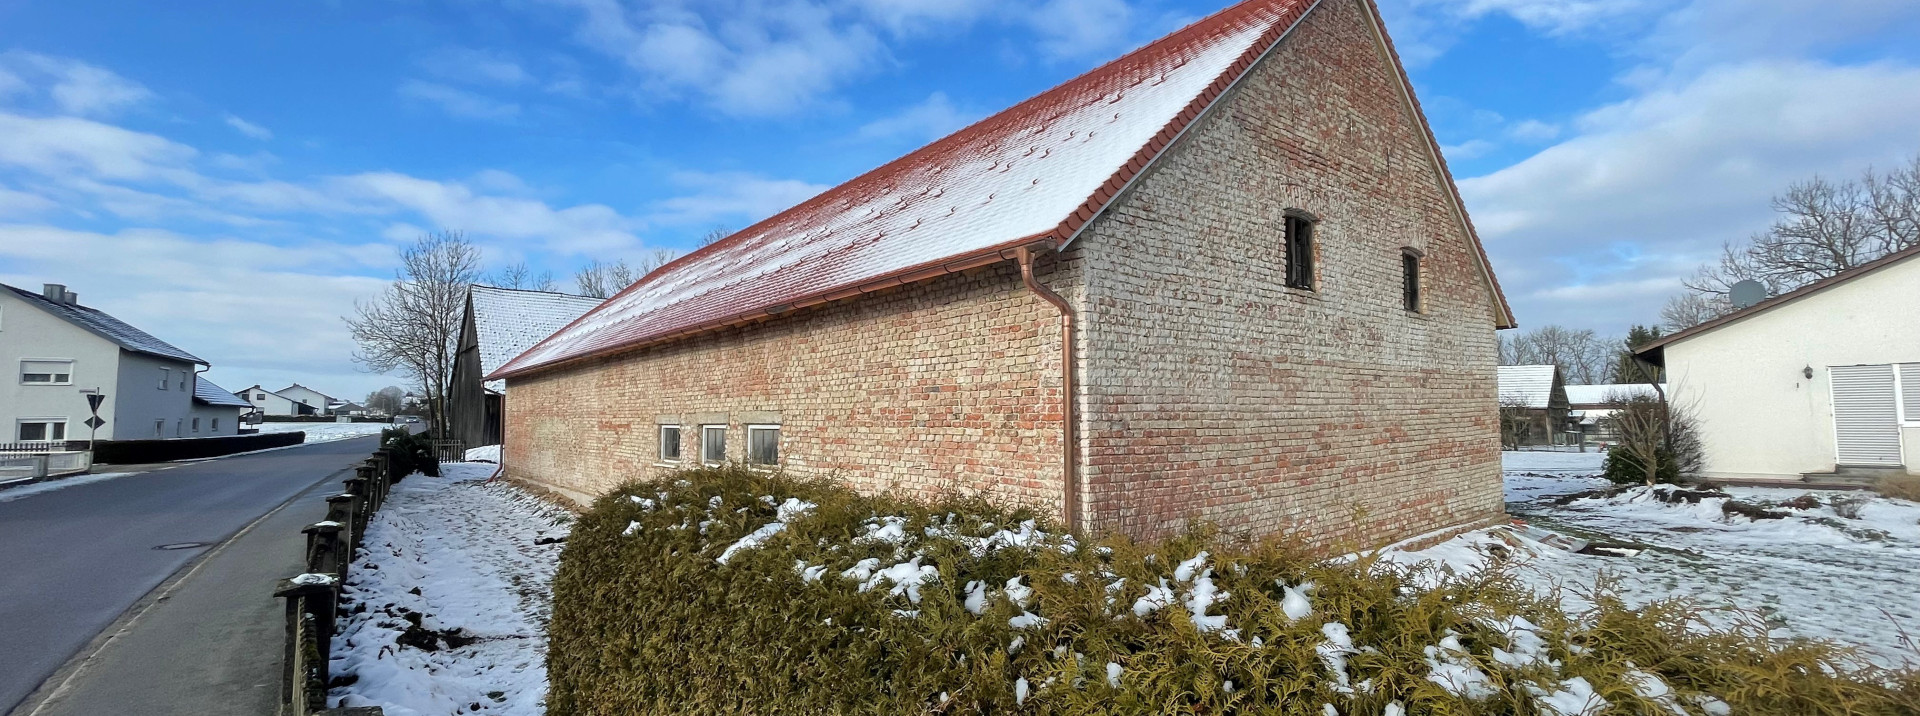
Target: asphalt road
{"points": [[72, 560]]}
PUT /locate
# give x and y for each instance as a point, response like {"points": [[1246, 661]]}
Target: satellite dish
{"points": [[1746, 293]]}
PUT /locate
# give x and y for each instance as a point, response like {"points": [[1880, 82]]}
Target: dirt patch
{"points": [[1751, 511]]}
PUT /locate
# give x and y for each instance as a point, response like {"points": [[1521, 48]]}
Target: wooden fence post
{"points": [[310, 611]]}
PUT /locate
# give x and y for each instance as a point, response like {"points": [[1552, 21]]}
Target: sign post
{"points": [[94, 399]]}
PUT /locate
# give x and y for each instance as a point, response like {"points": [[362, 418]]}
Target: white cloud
{"points": [[472, 66], [1533, 130], [1648, 188], [583, 229], [732, 197], [913, 16], [259, 312], [65, 145], [459, 102], [20, 203], [1081, 28], [1469, 149], [248, 128], [75, 87], [930, 119], [743, 57]]}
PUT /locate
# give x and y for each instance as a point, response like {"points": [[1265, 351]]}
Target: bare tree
{"points": [[386, 400], [414, 325], [1658, 441], [1583, 358], [521, 276], [716, 233], [602, 280], [1824, 228], [1691, 309], [1516, 422]]}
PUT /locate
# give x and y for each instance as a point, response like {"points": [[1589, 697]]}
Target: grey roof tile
{"points": [[205, 391], [108, 327]]}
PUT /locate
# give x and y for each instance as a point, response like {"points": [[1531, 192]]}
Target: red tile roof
{"points": [[1035, 172]]}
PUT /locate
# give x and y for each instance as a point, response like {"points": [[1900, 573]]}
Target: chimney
{"points": [[73, 299], [54, 292]]}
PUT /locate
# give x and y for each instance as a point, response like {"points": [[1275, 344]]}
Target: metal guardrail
{"points": [[313, 598], [21, 466]]}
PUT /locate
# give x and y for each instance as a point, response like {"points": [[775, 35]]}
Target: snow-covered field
{"points": [[325, 432], [1846, 568], [451, 599]]}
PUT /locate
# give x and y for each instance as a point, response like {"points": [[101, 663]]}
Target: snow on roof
{"points": [[1038, 170], [1599, 394], [1530, 384], [509, 321], [107, 327], [204, 391]]}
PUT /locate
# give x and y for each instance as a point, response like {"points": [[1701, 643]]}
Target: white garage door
{"points": [[1866, 422]]}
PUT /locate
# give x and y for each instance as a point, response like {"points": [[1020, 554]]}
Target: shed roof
{"points": [[508, 321], [205, 392], [105, 326], [1032, 174], [1600, 394], [1530, 384]]}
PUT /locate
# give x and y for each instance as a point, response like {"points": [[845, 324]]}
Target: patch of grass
{"points": [[1904, 487], [647, 620]]}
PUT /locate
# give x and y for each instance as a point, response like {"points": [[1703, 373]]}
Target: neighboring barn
{"points": [[1534, 409], [1821, 380], [1224, 277], [498, 324]]}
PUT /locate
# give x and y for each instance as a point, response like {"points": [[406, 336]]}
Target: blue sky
{"points": [[232, 177]]}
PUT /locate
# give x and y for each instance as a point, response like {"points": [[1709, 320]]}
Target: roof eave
{"points": [[1809, 290]]}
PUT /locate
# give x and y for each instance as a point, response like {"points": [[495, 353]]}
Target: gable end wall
{"points": [[1213, 392]]}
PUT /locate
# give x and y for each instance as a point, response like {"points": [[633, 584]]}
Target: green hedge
{"points": [[646, 619]]}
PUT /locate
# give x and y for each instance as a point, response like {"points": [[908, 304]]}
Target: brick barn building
{"points": [[1224, 277]]}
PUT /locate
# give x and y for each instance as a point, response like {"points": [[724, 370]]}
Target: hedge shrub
{"points": [[647, 619], [409, 453], [135, 452]]}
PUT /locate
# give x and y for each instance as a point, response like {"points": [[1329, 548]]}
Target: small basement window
{"points": [[1299, 247], [713, 444], [669, 443], [763, 444], [46, 372], [1410, 280], [33, 431]]}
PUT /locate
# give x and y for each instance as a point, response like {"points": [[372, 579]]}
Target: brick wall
{"points": [[1212, 391], [950, 384]]}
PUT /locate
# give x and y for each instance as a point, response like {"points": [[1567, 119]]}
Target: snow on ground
{"points": [[450, 599], [1845, 568], [25, 491], [326, 432], [488, 453]]}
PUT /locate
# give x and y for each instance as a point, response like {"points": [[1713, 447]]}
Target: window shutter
{"points": [[1866, 425]]}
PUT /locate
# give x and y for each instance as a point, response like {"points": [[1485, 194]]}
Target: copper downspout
{"points": [[1071, 502]]}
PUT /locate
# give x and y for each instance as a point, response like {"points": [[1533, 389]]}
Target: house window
{"points": [[183, 380], [669, 443], [42, 430], [213, 425], [763, 444], [166, 376], [196, 425], [160, 428], [713, 443], [1299, 252], [1410, 279], [46, 372]]}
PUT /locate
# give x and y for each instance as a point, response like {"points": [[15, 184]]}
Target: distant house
{"points": [[267, 402], [1537, 395], [344, 407], [499, 323], [1589, 406], [1820, 380], [318, 401], [60, 351], [1224, 277]]}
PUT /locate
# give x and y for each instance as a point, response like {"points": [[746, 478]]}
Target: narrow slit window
{"points": [[763, 444], [713, 443], [1299, 240], [1410, 280], [669, 443]]}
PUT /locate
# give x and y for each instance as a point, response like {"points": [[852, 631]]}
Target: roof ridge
{"points": [[1771, 302], [561, 294]]}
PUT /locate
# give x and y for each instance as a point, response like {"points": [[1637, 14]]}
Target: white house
{"points": [[59, 352], [1822, 379], [320, 402], [267, 402]]}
